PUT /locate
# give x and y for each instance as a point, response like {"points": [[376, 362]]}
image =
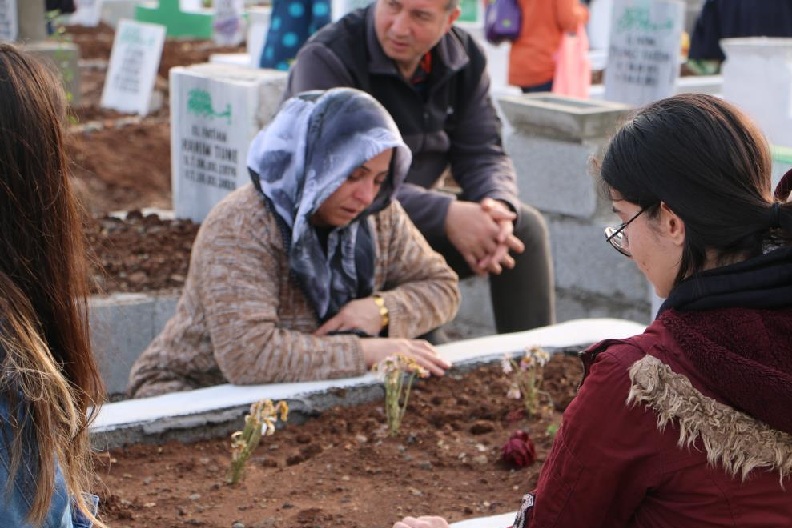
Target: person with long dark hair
{"points": [[688, 424], [313, 271], [50, 387]]}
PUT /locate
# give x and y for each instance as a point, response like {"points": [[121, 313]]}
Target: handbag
{"points": [[573, 67], [502, 20]]}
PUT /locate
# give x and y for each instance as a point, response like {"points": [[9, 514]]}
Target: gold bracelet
{"points": [[383, 310]]}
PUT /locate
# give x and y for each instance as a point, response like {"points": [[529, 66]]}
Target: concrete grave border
{"points": [[214, 411]]}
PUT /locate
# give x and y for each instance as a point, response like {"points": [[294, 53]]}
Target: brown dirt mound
{"points": [[341, 468]]}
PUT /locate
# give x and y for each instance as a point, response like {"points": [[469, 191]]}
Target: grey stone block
{"points": [[564, 118], [585, 263], [475, 317], [63, 57], [115, 10], [121, 328], [574, 305], [554, 175]]}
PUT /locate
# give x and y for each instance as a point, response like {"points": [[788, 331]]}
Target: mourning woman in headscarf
{"points": [[312, 271]]}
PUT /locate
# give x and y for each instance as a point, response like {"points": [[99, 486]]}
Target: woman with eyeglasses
{"points": [[690, 423]]}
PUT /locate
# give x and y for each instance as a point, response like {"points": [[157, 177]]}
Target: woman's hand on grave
{"points": [[377, 349], [425, 521], [363, 314]]}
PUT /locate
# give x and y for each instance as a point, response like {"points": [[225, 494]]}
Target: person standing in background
{"points": [[531, 58], [292, 22]]}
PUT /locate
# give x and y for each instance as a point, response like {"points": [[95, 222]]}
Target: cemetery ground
{"points": [[337, 469], [342, 468]]}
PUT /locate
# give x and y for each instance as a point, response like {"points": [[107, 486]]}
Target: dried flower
{"points": [[527, 377], [397, 374], [519, 450], [260, 422]]}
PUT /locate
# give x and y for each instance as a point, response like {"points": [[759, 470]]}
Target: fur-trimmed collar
{"points": [[732, 439]]}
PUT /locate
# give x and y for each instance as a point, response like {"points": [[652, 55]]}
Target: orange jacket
{"points": [[531, 58]]}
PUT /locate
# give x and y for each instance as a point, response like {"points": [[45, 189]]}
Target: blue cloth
{"points": [[303, 156], [292, 22], [17, 499]]}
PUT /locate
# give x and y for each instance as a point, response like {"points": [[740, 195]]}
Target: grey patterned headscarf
{"points": [[305, 154]]}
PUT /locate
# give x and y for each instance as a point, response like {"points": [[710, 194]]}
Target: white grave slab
{"points": [[134, 60], [9, 20], [216, 109], [757, 77], [643, 54], [180, 406], [88, 13], [228, 27]]}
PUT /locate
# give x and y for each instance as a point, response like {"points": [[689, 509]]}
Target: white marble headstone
{"points": [[9, 20], [228, 24], [216, 109], [88, 13], [134, 60], [644, 50], [757, 77]]}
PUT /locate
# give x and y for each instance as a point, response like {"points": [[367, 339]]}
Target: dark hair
{"points": [[710, 165], [47, 368]]}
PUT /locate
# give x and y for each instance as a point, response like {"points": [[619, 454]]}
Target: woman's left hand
{"points": [[362, 314]]}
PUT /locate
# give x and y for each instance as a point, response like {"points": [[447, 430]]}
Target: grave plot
{"points": [[122, 162], [342, 468]]}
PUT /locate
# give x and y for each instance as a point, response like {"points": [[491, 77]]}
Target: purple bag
{"points": [[502, 20]]}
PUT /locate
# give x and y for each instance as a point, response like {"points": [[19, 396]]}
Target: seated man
{"points": [[312, 271], [432, 78]]}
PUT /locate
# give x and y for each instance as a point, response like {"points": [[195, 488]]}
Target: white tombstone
{"points": [[88, 13], [757, 77], [134, 60], [9, 20], [216, 109], [598, 28], [339, 8], [227, 25], [643, 54], [258, 25]]}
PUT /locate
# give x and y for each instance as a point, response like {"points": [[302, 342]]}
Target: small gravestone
{"points": [[216, 110], [339, 8], [88, 13], [643, 53], [228, 25], [769, 101], [9, 21], [136, 53]]}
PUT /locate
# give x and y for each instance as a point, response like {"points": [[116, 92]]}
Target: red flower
{"points": [[519, 450]]}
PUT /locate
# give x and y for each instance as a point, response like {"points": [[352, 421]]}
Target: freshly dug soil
{"points": [[122, 162], [338, 469], [342, 469]]}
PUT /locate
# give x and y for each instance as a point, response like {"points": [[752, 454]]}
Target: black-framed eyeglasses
{"points": [[616, 237]]}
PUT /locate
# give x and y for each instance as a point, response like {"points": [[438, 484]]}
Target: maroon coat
{"points": [[634, 445]]}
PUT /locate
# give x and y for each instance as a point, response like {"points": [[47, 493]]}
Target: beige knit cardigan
{"points": [[243, 319]]}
